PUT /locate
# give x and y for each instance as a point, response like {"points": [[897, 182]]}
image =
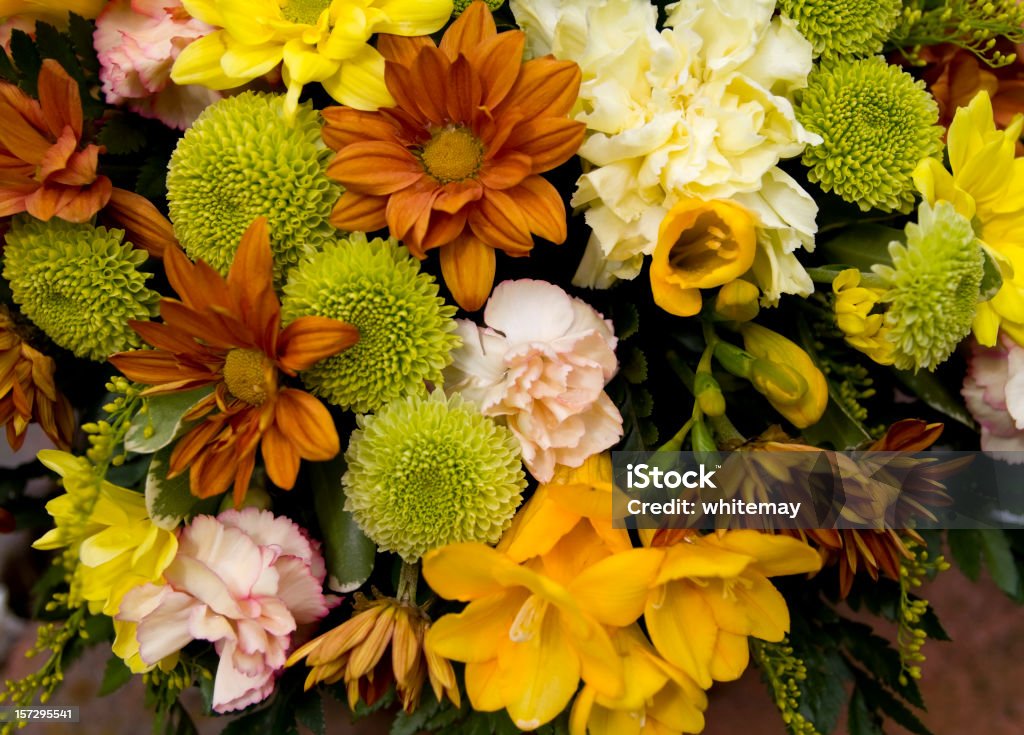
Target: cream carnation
{"points": [[541, 364], [137, 42], [243, 581], [700, 109]]}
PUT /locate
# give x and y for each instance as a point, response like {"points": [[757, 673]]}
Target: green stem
{"points": [[407, 580]]}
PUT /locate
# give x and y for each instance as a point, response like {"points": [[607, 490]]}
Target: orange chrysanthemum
{"points": [[45, 170], [27, 390], [227, 333], [455, 165]]}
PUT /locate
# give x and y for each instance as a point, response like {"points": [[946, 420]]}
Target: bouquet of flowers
{"points": [[332, 313]]}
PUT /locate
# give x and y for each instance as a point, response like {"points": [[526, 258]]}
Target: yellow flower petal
{"points": [[730, 658], [465, 571], [475, 634], [614, 591], [537, 527], [482, 686], [772, 555], [359, 82], [412, 17], [248, 62], [199, 63], [683, 630], [305, 65]]}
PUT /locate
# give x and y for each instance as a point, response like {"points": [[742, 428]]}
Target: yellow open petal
{"points": [[730, 658], [967, 131], [674, 299], [936, 183], [247, 20], [199, 63], [677, 709], [614, 590], [412, 17], [482, 686], [465, 571], [248, 62], [359, 82], [537, 527], [305, 65], [540, 672], [693, 560], [683, 629], [772, 555], [765, 607], [204, 10], [476, 633]]}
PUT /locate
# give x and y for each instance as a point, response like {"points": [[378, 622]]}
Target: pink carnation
{"points": [[243, 581], [994, 392], [542, 364], [137, 42]]}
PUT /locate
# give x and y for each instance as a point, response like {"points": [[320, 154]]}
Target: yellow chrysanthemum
{"points": [[861, 326], [986, 185], [321, 41], [119, 547]]}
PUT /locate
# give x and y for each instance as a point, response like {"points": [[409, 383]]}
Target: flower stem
{"points": [[407, 580]]}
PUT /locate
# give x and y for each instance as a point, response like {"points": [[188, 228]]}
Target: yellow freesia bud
{"points": [[862, 329], [709, 394], [700, 245], [737, 301], [783, 383]]}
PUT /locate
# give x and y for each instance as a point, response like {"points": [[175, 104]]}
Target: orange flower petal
{"points": [[408, 212], [308, 425], [164, 337], [13, 195], [359, 212], [280, 457], [46, 201], [456, 195], [443, 228], [465, 90], [144, 226], [345, 126], [375, 167], [211, 473], [81, 204], [17, 134], [309, 339], [56, 158], [468, 265], [251, 282], [204, 326], [430, 76], [541, 205], [506, 171], [498, 221], [401, 49], [544, 88], [498, 60], [59, 99], [549, 141], [473, 27], [243, 474], [152, 367], [190, 445], [80, 167]]}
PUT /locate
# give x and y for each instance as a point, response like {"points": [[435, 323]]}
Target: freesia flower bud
{"points": [[709, 394], [792, 383], [737, 301]]}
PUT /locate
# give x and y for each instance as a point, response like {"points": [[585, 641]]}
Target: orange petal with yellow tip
{"points": [[468, 268], [309, 339]]}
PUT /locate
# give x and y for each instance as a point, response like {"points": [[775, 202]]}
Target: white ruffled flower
{"points": [[700, 109], [540, 366]]}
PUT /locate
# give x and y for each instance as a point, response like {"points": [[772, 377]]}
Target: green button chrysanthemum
{"points": [[243, 159], [426, 471], [460, 6], [844, 27], [934, 282], [78, 283], [877, 123], [405, 328]]}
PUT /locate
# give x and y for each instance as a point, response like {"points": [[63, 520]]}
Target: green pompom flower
{"points": [[933, 287], [877, 123], [405, 328], [460, 6], [78, 283], [844, 27], [243, 159], [428, 471]]}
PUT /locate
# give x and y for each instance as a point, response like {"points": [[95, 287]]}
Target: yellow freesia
{"points": [[51, 12], [986, 185], [659, 698], [862, 329], [532, 631], [321, 41], [786, 375], [574, 495], [119, 547], [712, 592], [700, 245]]}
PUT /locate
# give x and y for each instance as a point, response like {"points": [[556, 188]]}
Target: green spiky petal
{"points": [[877, 123], [427, 471], [244, 159], [405, 328], [844, 27], [933, 290], [78, 283]]}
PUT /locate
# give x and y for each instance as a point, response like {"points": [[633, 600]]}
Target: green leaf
{"points": [[80, 31], [999, 560], [121, 134], [879, 657], [152, 179], [410, 724], [52, 44], [927, 386], [627, 320], [115, 676], [634, 368], [862, 246], [168, 502], [861, 720], [965, 546], [164, 414], [878, 699], [310, 712], [27, 60], [349, 553]]}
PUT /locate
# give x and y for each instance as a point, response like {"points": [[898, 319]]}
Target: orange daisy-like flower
{"points": [[456, 164], [27, 390], [45, 170], [227, 333]]}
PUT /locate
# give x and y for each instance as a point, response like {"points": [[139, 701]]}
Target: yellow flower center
{"points": [[704, 246], [248, 375], [304, 11], [452, 154]]}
